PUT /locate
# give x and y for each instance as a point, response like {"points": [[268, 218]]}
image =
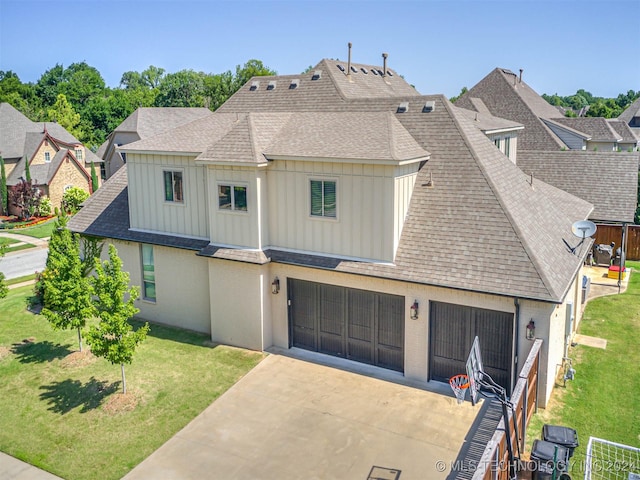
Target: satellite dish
{"points": [[581, 229]]}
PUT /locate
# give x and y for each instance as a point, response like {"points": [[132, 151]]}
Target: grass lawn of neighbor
{"points": [[63, 411], [8, 242], [42, 230], [604, 398]]}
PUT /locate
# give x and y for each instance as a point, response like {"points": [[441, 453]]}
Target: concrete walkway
{"points": [[13, 469], [37, 242], [291, 419]]}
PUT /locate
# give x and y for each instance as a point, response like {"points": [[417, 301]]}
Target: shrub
{"points": [[72, 199], [44, 209]]}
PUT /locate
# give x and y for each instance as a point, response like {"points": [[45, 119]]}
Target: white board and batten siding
{"points": [[405, 179], [367, 224], [147, 206], [237, 228], [573, 141]]}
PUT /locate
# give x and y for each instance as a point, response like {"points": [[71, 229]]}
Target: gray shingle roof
{"points": [[506, 97], [623, 130], [596, 128], [150, 121], [608, 180], [487, 123], [630, 112]]}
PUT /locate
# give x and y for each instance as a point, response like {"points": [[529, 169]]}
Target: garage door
{"points": [[451, 333], [345, 322]]}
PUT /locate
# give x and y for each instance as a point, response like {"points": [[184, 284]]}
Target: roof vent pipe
{"points": [[521, 75], [349, 63], [384, 64]]}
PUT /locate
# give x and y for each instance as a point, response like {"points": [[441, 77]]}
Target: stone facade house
{"points": [[57, 160]]}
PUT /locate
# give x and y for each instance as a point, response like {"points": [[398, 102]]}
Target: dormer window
{"points": [[323, 198], [232, 197], [173, 191], [47, 157]]}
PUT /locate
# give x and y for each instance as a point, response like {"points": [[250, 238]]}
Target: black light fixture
{"points": [[414, 310], [275, 286], [531, 330]]}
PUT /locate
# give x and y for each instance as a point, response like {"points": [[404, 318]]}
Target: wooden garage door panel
{"points": [[304, 314], [452, 330], [357, 324], [332, 305]]}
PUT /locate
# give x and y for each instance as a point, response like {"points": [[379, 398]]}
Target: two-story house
{"points": [[341, 212], [57, 160]]}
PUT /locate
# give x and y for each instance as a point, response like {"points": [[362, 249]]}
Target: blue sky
{"points": [[438, 46]]}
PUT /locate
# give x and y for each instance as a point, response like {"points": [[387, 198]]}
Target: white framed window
{"points": [[67, 187], [507, 146], [148, 273], [232, 197], [323, 198], [496, 141], [47, 157], [173, 188], [79, 154]]}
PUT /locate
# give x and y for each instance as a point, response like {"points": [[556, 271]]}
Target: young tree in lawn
{"points": [[113, 337], [67, 296], [4, 290], [4, 199], [26, 197]]}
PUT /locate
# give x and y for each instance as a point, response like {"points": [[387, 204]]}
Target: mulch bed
{"points": [[121, 403], [78, 359]]}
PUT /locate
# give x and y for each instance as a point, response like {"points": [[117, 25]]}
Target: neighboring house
{"points": [[504, 94], [143, 123], [57, 160], [631, 117], [340, 211]]}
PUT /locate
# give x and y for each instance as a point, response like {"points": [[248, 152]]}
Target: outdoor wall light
{"points": [[531, 330], [275, 286], [414, 310]]}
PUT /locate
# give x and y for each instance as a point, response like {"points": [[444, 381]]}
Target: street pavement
{"points": [[24, 262]]}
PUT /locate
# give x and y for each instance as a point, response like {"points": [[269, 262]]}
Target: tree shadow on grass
{"points": [[175, 334], [31, 352], [68, 394]]}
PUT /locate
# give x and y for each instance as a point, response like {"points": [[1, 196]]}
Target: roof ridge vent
{"points": [[316, 75], [271, 85], [294, 84], [254, 85], [403, 107], [364, 70], [429, 106], [340, 67], [374, 71]]}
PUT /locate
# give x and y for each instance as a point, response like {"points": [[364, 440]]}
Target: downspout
{"points": [[516, 303]]}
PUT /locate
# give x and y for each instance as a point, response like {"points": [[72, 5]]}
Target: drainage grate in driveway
{"points": [[382, 473]]}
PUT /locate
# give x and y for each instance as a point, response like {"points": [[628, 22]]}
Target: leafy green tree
{"points": [[44, 208], [80, 83], [63, 113], [181, 89], [252, 68], [72, 198], [4, 199], [463, 90], [91, 248], [67, 296], [48, 85], [113, 338], [94, 178]]}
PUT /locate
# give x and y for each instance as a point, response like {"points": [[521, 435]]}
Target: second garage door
{"points": [[345, 322]]}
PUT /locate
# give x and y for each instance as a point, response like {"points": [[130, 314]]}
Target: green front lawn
{"points": [[39, 231], [68, 417], [4, 241], [604, 399]]}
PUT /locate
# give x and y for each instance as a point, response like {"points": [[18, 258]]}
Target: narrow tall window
{"points": [[47, 157], [232, 197], [496, 141], [148, 273], [507, 146], [323, 198], [79, 154], [173, 187]]}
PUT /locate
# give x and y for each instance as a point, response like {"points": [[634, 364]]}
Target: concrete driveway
{"points": [[292, 419], [24, 262]]}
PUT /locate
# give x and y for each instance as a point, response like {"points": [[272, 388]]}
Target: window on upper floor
{"points": [[124, 157], [507, 146], [232, 197], [323, 198], [47, 157], [79, 154], [173, 191], [496, 141], [148, 273]]}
